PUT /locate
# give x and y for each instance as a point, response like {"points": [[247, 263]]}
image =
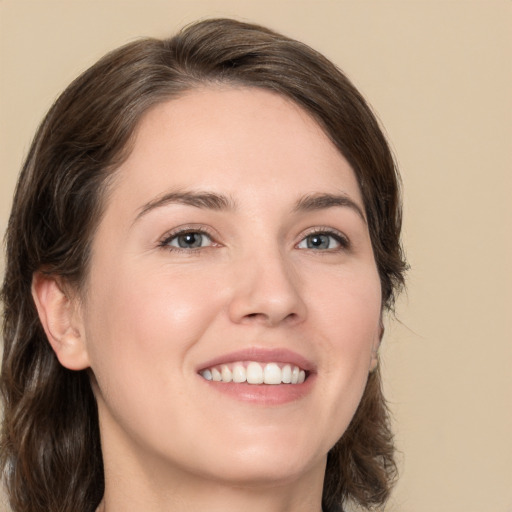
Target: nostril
{"points": [[269, 319]]}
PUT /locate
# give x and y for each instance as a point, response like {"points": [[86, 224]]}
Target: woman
{"points": [[204, 238]]}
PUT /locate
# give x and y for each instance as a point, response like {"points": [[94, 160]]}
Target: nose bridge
{"points": [[267, 288]]}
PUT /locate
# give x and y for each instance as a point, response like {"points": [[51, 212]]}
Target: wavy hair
{"points": [[50, 451]]}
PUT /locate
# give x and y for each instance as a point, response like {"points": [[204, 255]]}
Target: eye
{"points": [[188, 240], [323, 241]]}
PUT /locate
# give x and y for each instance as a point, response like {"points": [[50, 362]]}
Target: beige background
{"points": [[439, 75]]}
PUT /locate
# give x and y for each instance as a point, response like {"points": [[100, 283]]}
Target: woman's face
{"points": [[233, 241]]}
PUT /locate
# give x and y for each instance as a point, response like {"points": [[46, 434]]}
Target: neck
{"points": [[134, 484], [214, 497], [137, 478]]}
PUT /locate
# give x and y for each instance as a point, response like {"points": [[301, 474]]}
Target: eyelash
{"points": [[195, 230], [341, 239]]}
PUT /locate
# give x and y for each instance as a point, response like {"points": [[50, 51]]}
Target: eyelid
{"points": [[163, 242], [341, 238], [182, 230]]}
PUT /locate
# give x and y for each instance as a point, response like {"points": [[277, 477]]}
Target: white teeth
{"points": [[227, 376], [273, 374], [287, 374], [255, 373], [239, 374]]}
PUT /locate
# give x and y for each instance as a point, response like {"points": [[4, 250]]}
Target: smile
{"points": [[253, 372]]}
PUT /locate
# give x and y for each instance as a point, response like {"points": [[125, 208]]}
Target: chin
{"points": [[270, 471], [271, 461]]}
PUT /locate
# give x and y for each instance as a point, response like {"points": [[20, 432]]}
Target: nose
{"points": [[266, 291]]}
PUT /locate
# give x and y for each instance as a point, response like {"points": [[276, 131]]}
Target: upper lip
{"points": [[261, 355]]}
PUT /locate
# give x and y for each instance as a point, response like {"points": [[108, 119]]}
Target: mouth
{"points": [[256, 373], [267, 377]]}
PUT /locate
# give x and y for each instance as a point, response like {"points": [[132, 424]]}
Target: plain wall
{"points": [[439, 75]]}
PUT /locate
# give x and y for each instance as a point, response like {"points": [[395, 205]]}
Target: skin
{"points": [[152, 313]]}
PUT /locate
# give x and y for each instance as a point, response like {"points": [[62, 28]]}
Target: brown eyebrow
{"points": [[207, 200], [322, 201], [214, 201]]}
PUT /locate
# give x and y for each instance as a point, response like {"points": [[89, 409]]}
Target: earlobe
{"points": [[374, 362], [60, 317]]}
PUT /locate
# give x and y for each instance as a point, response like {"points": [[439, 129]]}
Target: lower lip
{"points": [[263, 394]]}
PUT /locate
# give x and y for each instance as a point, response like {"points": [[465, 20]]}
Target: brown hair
{"points": [[50, 447]]}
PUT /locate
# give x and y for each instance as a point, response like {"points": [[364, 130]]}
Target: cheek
{"points": [[146, 321], [142, 329], [349, 307], [350, 314]]}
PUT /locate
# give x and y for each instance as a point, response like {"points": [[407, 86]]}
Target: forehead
{"points": [[233, 140]]}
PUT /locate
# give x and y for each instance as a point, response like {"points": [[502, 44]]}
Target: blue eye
{"points": [[322, 241], [189, 240]]}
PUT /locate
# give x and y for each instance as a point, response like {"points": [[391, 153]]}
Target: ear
{"points": [[60, 316], [375, 349]]}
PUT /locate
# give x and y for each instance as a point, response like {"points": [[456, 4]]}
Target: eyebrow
{"points": [[323, 201], [208, 200], [220, 202]]}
